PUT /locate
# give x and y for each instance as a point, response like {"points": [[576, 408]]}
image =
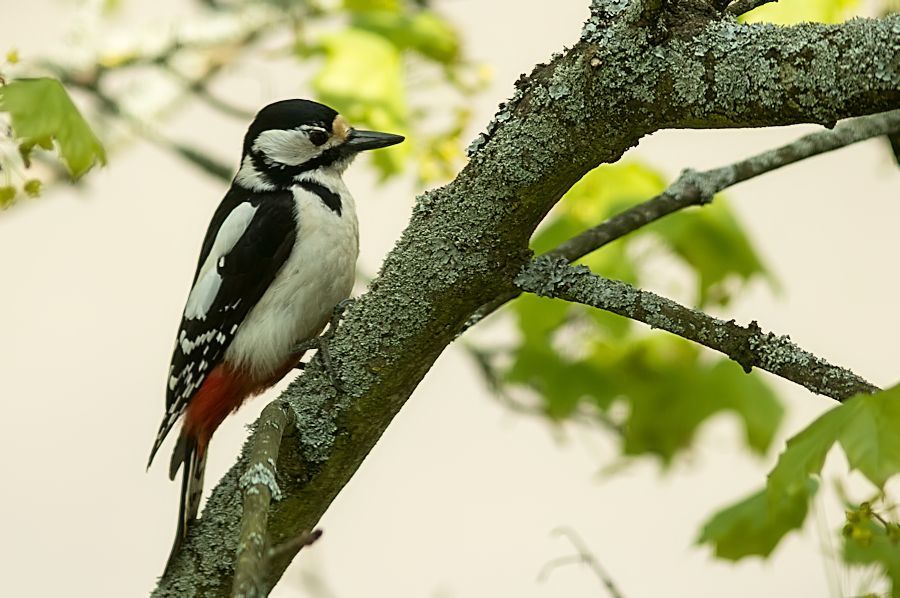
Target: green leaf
{"points": [[755, 525], [790, 13], [870, 439], [865, 425], [805, 455], [363, 79], [42, 112]]}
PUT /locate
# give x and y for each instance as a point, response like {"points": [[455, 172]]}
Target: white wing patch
{"points": [[209, 281], [202, 295]]}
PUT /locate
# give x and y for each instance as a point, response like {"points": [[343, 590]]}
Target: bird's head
{"points": [[291, 137]]}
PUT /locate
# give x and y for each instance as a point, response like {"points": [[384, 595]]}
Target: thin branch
{"points": [[200, 88], [694, 188], [293, 546], [584, 556], [744, 6], [259, 489], [747, 345], [111, 107]]}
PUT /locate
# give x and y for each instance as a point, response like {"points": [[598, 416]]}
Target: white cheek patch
{"points": [[286, 147], [209, 281]]}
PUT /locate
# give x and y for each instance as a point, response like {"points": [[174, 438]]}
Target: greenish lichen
{"points": [[260, 475]]}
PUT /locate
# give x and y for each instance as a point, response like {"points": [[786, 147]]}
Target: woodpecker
{"points": [[279, 254]]}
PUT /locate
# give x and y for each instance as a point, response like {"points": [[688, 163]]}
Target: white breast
{"points": [[317, 275]]}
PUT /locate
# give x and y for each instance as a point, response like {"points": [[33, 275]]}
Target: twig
{"points": [[583, 555], [747, 345], [200, 88], [259, 489], [293, 546], [699, 188], [744, 6]]}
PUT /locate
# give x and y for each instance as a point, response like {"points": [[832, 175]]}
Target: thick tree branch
{"points": [[467, 241], [694, 188], [747, 345]]}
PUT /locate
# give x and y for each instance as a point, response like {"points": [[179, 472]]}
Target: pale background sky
{"points": [[460, 496]]}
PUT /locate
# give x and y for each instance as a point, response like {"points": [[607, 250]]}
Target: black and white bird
{"points": [[279, 254]]}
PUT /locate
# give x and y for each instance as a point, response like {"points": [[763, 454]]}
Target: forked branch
{"points": [[694, 188]]}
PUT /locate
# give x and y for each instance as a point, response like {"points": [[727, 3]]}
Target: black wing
{"points": [[243, 269]]}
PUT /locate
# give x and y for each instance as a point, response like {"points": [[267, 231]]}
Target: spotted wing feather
{"points": [[248, 240]]}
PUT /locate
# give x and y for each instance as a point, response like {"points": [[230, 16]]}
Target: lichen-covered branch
{"points": [[694, 188], [260, 488], [747, 345], [467, 241], [711, 72]]}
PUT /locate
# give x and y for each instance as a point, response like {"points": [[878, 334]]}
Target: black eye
{"points": [[318, 136]]}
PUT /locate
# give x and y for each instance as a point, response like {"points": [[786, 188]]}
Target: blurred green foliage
{"points": [[365, 74], [790, 13], [573, 357]]}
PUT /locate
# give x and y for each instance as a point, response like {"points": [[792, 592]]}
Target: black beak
{"points": [[359, 141]]}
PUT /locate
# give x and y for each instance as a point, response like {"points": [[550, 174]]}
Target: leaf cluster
{"points": [[42, 116], [865, 428]]}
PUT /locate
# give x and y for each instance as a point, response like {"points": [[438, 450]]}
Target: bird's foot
{"points": [[321, 344]]}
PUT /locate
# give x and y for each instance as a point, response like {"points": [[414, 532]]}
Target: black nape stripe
{"points": [[328, 197]]}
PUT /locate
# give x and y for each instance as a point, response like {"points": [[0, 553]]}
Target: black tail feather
{"points": [[191, 489]]}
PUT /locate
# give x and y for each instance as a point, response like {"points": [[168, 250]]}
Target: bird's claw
{"points": [[321, 342]]}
